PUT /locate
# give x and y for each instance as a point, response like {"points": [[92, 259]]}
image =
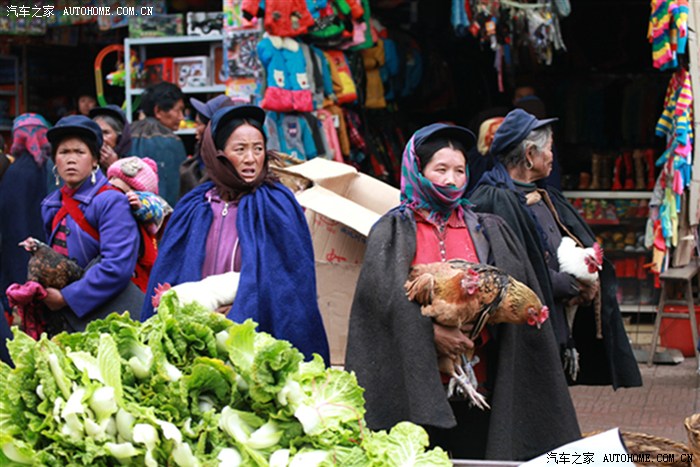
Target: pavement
{"points": [[669, 394]]}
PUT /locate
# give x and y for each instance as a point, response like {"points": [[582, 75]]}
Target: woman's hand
{"points": [[450, 341], [587, 292], [54, 299], [107, 156]]}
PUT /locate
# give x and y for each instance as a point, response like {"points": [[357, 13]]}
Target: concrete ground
{"points": [[669, 394]]}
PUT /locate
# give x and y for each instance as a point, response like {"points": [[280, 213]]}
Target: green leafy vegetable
{"points": [[188, 388]]}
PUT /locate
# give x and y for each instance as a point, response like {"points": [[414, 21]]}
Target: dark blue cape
{"points": [[277, 286], [22, 189]]}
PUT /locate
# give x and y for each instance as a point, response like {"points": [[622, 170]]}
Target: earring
{"points": [[528, 164], [92, 178], [55, 174]]}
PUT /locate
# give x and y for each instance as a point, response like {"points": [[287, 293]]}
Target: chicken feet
{"points": [[463, 383]]}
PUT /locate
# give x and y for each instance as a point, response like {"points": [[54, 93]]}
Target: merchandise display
{"points": [[343, 84], [156, 26]]}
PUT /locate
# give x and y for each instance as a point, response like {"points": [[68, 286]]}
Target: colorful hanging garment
{"points": [[675, 124], [668, 32]]}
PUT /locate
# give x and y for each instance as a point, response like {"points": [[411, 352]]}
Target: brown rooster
{"points": [[48, 267], [458, 293]]}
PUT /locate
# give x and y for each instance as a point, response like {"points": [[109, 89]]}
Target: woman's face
{"points": [[109, 136], [86, 104], [447, 167], [171, 118], [74, 161], [541, 161], [245, 149], [199, 129]]}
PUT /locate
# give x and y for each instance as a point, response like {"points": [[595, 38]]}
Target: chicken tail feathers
{"points": [[420, 289]]}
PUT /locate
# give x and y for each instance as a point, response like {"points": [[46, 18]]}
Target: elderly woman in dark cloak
{"points": [[394, 349], [246, 224], [595, 350]]}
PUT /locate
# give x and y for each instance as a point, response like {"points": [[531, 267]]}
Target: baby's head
{"points": [[136, 173]]}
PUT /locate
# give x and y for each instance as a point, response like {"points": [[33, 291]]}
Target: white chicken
{"points": [[213, 292], [583, 264]]}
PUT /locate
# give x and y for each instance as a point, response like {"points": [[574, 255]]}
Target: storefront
{"points": [[355, 94]]}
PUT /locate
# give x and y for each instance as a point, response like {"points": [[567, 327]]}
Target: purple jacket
{"points": [[110, 214]]}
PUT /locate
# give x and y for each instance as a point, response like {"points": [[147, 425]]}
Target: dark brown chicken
{"points": [[48, 267], [455, 292], [459, 293]]}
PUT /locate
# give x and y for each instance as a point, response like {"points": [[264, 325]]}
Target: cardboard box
{"points": [[341, 208]]}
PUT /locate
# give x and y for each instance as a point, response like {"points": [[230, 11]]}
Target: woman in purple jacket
{"points": [[89, 222]]}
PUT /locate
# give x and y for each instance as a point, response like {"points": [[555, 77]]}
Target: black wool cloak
{"points": [[391, 347], [607, 361]]}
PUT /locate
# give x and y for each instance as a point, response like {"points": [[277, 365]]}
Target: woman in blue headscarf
{"points": [[23, 187]]}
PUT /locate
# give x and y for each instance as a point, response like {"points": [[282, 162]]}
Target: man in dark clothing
{"points": [[154, 137]]}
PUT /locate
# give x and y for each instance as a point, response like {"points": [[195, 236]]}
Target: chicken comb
{"points": [[598, 250]]}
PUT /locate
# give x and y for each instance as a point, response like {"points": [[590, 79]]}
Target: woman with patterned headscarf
{"points": [[23, 187], [394, 349]]}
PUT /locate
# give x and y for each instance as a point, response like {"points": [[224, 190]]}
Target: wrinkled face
{"points": [[447, 167], [541, 161], [74, 161], [171, 118], [109, 136], [245, 149]]}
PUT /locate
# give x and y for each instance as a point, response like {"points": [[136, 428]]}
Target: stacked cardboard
{"points": [[341, 207]]}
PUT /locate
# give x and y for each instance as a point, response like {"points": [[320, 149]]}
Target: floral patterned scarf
{"points": [[417, 192], [29, 135]]}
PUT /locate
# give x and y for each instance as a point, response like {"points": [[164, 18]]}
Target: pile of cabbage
{"points": [[188, 387]]}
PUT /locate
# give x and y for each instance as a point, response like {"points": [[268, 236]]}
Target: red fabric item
{"points": [[27, 300], [356, 10], [278, 100], [70, 206], [60, 239], [458, 241], [303, 100], [282, 17], [145, 262]]}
